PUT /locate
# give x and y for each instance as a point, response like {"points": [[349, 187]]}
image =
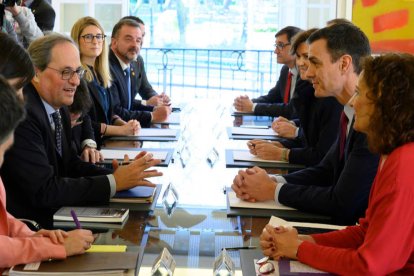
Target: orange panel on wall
{"points": [[389, 25]]}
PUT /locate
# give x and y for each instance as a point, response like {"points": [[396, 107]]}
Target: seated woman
{"points": [[83, 138], [90, 37], [383, 242], [20, 245], [310, 137]]}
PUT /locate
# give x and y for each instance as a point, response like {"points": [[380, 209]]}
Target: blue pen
{"points": [[75, 219]]}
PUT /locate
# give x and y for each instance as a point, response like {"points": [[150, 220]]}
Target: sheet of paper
{"points": [[299, 267], [119, 154], [270, 204], [254, 126], [253, 131], [159, 132], [275, 221], [244, 155], [235, 111], [107, 248]]}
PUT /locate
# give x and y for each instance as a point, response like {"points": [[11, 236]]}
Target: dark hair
{"points": [[82, 101], [390, 83], [15, 61], [121, 23], [300, 38], [344, 39], [338, 21], [135, 18], [289, 31], [11, 110]]}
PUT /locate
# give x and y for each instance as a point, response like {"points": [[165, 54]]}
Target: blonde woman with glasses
{"points": [[90, 37]]}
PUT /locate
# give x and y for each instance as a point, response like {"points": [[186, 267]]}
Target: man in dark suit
{"points": [[43, 12], [42, 172], [125, 46], [339, 185], [145, 90], [276, 102]]}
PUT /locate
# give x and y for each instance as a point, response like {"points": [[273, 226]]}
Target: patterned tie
{"points": [[57, 119], [342, 137], [128, 81], [287, 88]]}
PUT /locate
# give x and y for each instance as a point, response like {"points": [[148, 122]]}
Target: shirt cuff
{"points": [[88, 142], [254, 106], [279, 179], [144, 102], [277, 190], [296, 132], [112, 184]]}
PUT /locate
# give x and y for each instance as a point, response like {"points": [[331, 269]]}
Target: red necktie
{"points": [[287, 88], [342, 137]]}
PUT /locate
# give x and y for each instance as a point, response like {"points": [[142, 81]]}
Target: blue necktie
{"points": [[57, 119], [128, 81]]}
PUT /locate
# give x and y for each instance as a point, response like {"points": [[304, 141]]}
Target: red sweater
{"points": [[383, 242], [17, 245]]}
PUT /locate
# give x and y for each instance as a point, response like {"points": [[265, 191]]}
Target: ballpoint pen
{"points": [[75, 219], [239, 248]]}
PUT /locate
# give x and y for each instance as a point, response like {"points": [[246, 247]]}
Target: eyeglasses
{"points": [[281, 45], [89, 37], [265, 267], [67, 74]]}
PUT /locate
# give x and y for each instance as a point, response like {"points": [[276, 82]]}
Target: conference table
{"points": [[197, 227]]}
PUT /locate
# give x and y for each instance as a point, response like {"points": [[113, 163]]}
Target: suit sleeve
{"points": [[315, 189], [144, 117], [327, 130], [145, 89], [36, 180]]}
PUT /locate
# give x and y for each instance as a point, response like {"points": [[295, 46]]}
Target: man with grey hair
{"points": [[41, 172]]}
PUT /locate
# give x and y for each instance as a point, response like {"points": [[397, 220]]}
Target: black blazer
{"points": [[37, 179], [319, 120], [82, 132], [119, 93], [336, 188], [272, 104], [144, 88], [97, 112], [44, 14]]}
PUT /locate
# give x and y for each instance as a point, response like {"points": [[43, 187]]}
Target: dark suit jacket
{"points": [[44, 14], [272, 104], [37, 179], [82, 132], [144, 88], [119, 93], [97, 112], [319, 120], [336, 188]]}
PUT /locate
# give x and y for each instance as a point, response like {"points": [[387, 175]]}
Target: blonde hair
{"points": [[101, 65]]}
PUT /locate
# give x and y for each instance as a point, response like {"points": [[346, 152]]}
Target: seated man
{"points": [[20, 245], [41, 172], [145, 90], [276, 102], [125, 46], [339, 185]]}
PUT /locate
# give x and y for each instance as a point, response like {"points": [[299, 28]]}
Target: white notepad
{"points": [[253, 131], [119, 154], [276, 221], [269, 204], [159, 132], [244, 155]]}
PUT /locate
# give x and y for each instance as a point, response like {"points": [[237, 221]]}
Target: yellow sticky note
{"points": [[107, 248]]}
